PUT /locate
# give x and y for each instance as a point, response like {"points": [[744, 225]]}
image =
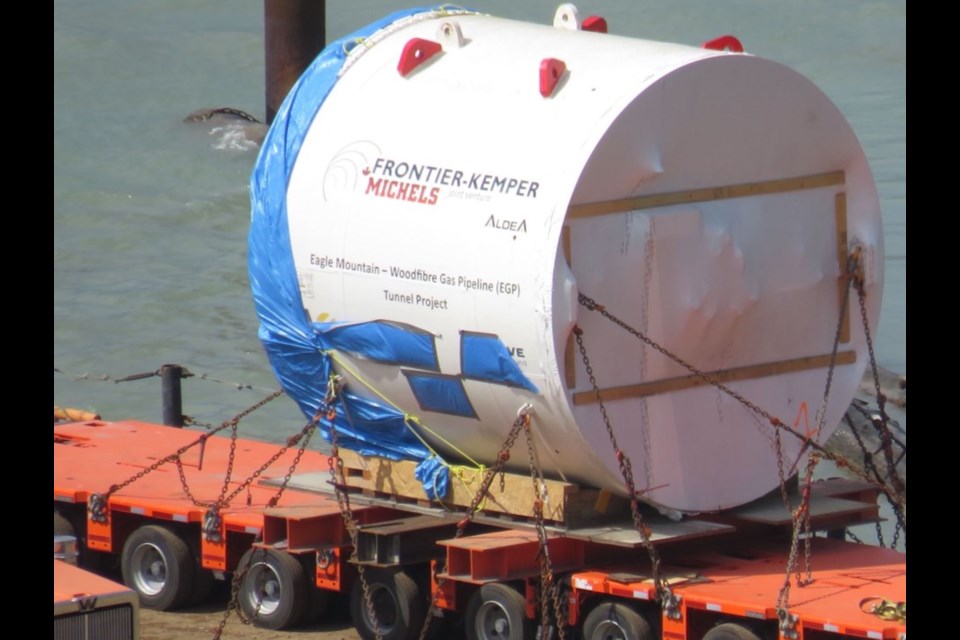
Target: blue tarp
{"points": [[294, 346], [385, 341], [440, 394], [483, 356]]}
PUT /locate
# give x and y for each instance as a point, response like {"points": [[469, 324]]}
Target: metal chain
{"points": [[212, 523], [869, 466], [801, 517], [896, 506], [883, 429], [523, 418], [234, 602], [821, 419], [97, 502], [190, 421], [666, 597], [103, 377], [592, 305], [548, 585], [339, 481]]}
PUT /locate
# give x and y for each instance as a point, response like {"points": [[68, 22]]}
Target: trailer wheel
{"points": [[62, 526], [397, 605], [497, 612], [731, 631], [158, 565], [318, 600], [203, 581], [273, 592], [616, 621]]}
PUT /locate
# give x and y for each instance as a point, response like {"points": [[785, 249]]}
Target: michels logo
{"points": [[361, 167], [383, 181]]}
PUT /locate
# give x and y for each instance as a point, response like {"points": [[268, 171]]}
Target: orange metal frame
{"points": [[741, 582]]}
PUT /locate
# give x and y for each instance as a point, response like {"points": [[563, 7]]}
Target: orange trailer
{"points": [[181, 508]]}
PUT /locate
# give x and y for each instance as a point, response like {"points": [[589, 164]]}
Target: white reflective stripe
{"points": [[252, 529], [64, 498], [179, 517], [714, 607], [831, 627], [875, 634], [138, 510], [756, 614], [641, 595], [582, 584]]}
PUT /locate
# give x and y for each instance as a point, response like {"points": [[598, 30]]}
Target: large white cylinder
{"points": [[460, 198]]}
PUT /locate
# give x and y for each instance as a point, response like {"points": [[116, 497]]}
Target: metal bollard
{"points": [[294, 34], [170, 374]]}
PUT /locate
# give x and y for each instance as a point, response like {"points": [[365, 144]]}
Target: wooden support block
{"points": [[378, 476], [707, 194], [666, 385], [840, 206]]}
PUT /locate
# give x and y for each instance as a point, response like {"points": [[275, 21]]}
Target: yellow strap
{"points": [[407, 418], [885, 609]]}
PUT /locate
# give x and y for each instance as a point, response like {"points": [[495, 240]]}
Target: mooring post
{"points": [[170, 375], [294, 34]]}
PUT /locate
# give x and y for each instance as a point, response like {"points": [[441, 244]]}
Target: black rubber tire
{"points": [[273, 591], [616, 621], [731, 631], [203, 581], [497, 611], [202, 586], [62, 526], [158, 565], [318, 601], [397, 604], [76, 525]]}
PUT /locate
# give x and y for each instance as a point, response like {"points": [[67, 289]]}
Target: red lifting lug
{"points": [[415, 53], [724, 43], [551, 70], [594, 23]]}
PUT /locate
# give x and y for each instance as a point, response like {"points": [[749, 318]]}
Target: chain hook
{"points": [[788, 624], [97, 507], [212, 523]]}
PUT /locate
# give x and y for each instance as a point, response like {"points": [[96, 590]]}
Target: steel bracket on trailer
{"points": [[788, 625], [212, 525], [97, 507]]}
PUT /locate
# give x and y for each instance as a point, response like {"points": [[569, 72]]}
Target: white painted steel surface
{"points": [[438, 199]]}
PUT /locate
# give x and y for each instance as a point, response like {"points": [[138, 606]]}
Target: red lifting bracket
{"points": [[551, 71], [724, 43], [415, 53], [594, 23]]}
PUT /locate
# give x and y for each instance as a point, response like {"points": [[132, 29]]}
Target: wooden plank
{"points": [[569, 353], [840, 207], [396, 478], [784, 185], [723, 375]]}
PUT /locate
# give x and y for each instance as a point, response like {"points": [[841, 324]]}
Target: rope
{"points": [[408, 419]]}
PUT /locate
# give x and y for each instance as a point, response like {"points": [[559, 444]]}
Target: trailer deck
{"points": [[724, 568]]}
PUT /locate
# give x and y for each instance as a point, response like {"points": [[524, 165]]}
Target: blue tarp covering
{"points": [[384, 341], [442, 394], [293, 344], [483, 356]]}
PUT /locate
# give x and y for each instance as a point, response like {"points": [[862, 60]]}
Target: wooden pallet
{"points": [[564, 501]]}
